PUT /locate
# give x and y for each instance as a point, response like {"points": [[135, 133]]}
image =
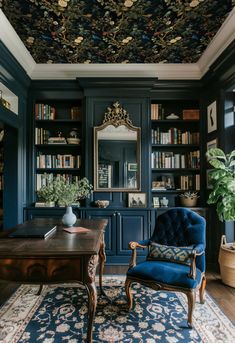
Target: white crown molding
{"points": [[219, 43], [15, 45], [164, 71], [72, 71]]}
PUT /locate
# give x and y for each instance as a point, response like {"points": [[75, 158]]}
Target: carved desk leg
{"points": [[102, 257], [92, 294], [92, 302]]}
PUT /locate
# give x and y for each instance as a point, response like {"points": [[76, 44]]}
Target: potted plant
{"points": [[222, 179], [65, 193], [189, 199]]}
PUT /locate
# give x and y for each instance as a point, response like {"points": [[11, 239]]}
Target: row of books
{"points": [[190, 182], [58, 161], [41, 135], [170, 160], [45, 178], [44, 112], [174, 136], [158, 113]]}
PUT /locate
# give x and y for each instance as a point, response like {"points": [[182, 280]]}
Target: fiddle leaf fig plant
{"points": [[222, 178]]}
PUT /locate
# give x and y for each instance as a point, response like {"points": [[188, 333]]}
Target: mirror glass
{"points": [[117, 157]]}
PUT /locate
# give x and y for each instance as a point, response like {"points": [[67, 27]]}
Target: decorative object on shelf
{"points": [[164, 202], [102, 203], [189, 199], [73, 137], [156, 202], [136, 199], [57, 140], [211, 117], [73, 140], [172, 116], [191, 114], [223, 195]]}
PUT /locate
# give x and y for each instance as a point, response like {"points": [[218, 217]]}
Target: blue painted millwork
{"points": [[17, 81], [123, 226]]}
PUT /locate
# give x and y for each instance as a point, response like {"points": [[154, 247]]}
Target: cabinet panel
{"points": [[110, 231], [131, 226]]}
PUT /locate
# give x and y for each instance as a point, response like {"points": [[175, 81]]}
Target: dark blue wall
{"points": [[14, 77]]}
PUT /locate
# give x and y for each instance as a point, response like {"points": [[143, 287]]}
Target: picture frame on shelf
{"points": [[158, 185], [212, 117], [212, 144], [137, 200], [156, 202], [165, 182]]}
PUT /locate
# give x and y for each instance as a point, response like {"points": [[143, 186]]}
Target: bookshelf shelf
{"points": [[58, 145], [180, 146], [175, 144], [56, 124]]}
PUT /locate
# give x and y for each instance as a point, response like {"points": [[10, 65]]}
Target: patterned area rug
{"points": [[59, 314]]}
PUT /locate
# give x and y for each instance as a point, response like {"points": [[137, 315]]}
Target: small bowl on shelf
{"points": [[102, 203], [72, 140]]}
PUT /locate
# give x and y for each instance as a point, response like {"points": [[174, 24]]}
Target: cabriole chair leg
{"points": [[202, 290], [129, 294], [191, 303]]}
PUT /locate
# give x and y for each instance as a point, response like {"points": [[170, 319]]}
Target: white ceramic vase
{"points": [[69, 217]]}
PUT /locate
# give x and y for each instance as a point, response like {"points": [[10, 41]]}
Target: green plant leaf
{"points": [[217, 164], [231, 155], [232, 163], [223, 183], [216, 153]]}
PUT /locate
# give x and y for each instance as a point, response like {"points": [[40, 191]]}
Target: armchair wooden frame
{"points": [[190, 293]]}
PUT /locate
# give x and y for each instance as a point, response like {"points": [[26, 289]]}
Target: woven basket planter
{"points": [[227, 262]]}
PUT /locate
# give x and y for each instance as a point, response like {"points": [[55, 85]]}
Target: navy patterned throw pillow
{"points": [[170, 253]]}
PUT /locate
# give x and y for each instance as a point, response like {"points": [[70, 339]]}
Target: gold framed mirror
{"points": [[117, 152]]}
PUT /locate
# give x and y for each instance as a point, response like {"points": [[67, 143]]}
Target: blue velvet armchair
{"points": [[176, 258]]}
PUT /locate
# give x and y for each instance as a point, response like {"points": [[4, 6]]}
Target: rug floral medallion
{"points": [[59, 314]]}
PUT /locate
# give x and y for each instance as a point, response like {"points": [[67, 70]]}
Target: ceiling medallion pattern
{"points": [[121, 31]]}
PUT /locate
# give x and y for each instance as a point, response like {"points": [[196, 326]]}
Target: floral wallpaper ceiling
{"points": [[116, 31]]}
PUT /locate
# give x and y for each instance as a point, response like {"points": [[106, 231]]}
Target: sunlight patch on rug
{"points": [[59, 314]]}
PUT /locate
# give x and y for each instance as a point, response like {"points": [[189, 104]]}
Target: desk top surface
{"points": [[59, 243]]}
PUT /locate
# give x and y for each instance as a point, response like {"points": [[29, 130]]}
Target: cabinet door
{"points": [[131, 226], [110, 231]]}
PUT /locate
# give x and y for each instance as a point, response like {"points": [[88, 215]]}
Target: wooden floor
{"points": [[223, 295]]}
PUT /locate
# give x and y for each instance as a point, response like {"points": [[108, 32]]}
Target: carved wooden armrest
{"points": [[192, 273], [133, 246]]}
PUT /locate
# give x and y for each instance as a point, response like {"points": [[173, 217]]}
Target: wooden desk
{"points": [[61, 257]]}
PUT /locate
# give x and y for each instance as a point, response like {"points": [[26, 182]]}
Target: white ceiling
{"points": [[167, 71]]}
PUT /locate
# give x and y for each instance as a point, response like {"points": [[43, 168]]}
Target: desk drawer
{"points": [[41, 270]]}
